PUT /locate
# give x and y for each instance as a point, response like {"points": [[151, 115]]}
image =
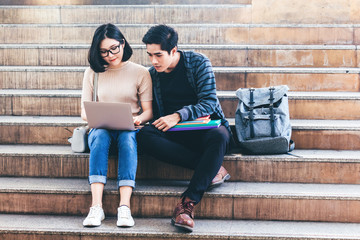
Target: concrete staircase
{"points": [[311, 194]]}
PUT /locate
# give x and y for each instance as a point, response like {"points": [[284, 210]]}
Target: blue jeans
{"points": [[99, 144]]}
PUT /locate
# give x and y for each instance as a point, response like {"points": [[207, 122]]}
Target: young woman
{"points": [[119, 80]]}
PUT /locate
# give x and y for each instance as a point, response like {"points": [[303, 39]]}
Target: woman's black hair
{"points": [[164, 35], [97, 62]]}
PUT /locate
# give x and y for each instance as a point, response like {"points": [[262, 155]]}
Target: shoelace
{"points": [[124, 212], [187, 208], [94, 211]]}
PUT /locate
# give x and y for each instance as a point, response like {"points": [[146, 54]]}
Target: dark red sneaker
{"points": [[183, 216]]}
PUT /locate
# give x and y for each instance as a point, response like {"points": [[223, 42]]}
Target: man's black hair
{"points": [[164, 35], [97, 62]]}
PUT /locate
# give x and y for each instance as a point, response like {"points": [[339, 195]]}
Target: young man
{"points": [[184, 89]]}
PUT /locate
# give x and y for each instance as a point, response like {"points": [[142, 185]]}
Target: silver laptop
{"points": [[115, 116]]}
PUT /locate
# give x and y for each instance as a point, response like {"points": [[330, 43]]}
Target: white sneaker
{"points": [[124, 217], [95, 216]]}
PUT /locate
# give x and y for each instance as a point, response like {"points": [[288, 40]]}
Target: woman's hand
{"points": [[146, 115], [137, 120]]}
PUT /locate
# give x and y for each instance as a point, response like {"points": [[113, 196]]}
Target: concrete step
{"points": [[220, 55], [117, 2], [19, 226], [303, 105], [127, 14], [263, 34], [300, 166], [37, 130], [252, 201], [26, 77], [41, 102], [316, 12], [227, 78], [308, 134], [298, 79]]}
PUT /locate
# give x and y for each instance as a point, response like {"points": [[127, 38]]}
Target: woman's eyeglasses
{"points": [[113, 50]]}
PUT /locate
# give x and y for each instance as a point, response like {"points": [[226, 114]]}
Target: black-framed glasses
{"points": [[113, 50]]}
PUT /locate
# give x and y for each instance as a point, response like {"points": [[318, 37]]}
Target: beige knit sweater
{"points": [[130, 83]]}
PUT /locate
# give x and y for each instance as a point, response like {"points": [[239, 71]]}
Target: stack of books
{"points": [[197, 124]]}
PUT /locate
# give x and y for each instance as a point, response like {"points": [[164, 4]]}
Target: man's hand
{"points": [[167, 122]]}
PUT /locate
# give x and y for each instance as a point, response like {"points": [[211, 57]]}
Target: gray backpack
{"points": [[262, 120]]}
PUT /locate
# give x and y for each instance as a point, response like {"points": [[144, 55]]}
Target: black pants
{"points": [[202, 150]]}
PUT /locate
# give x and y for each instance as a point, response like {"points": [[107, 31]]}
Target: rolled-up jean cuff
{"points": [[97, 179], [129, 183]]}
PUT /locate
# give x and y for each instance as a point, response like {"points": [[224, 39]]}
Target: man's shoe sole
{"points": [[182, 227], [225, 178]]}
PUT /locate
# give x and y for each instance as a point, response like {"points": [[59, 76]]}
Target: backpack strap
{"points": [[271, 107], [251, 112], [95, 86], [291, 145]]}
